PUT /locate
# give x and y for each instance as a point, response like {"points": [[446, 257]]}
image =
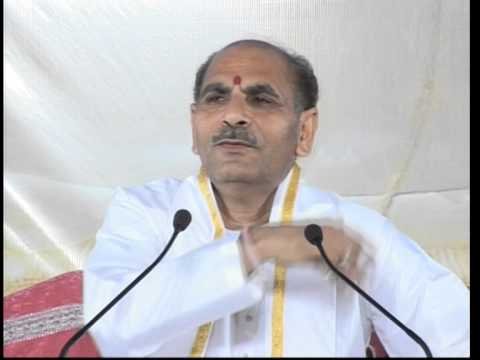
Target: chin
{"points": [[230, 174]]}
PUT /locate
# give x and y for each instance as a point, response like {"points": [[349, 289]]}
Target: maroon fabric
{"points": [[60, 290], [378, 351], [59, 293], [51, 296]]}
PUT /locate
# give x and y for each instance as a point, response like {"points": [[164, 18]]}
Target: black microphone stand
{"points": [[181, 221]]}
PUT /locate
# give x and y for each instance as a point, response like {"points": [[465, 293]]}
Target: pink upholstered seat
{"points": [[40, 319]]}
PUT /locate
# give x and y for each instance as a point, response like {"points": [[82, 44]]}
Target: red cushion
{"points": [[376, 348], [40, 319]]}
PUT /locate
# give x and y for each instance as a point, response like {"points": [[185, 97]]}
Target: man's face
{"points": [[244, 126]]}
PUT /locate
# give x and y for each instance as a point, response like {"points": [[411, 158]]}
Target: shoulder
{"points": [[309, 195], [153, 194], [351, 213]]}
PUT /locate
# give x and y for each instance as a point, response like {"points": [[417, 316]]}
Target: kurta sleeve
{"points": [[180, 294], [424, 295], [427, 297]]}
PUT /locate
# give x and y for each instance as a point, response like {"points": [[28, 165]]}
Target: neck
{"points": [[244, 204]]}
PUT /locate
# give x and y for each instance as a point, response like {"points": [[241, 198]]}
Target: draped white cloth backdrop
{"points": [[97, 96]]}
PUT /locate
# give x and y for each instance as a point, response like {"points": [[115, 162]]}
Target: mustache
{"points": [[235, 133]]}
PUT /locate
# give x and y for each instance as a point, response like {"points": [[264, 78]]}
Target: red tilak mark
{"points": [[237, 80]]}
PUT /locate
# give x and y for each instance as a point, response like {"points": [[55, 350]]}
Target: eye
{"points": [[214, 98], [261, 100]]}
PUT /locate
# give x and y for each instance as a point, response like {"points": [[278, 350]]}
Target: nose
{"points": [[236, 123], [235, 113]]}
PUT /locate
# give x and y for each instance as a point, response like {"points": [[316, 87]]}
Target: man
{"points": [[242, 280]]}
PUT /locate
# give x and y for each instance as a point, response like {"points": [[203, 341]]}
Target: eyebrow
{"points": [[261, 89], [255, 89]]}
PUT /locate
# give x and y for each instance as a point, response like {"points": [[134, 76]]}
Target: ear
{"points": [[306, 135], [193, 125]]}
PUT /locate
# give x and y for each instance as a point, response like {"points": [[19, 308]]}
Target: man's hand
{"points": [[288, 245]]}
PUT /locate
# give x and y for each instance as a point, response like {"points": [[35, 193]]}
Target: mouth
{"points": [[233, 143]]}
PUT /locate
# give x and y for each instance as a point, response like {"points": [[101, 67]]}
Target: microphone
{"points": [[181, 220], [314, 235]]}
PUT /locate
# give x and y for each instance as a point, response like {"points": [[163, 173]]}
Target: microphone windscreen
{"points": [[181, 219], [314, 234]]}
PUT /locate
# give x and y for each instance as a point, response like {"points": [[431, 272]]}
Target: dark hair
{"points": [[306, 87]]}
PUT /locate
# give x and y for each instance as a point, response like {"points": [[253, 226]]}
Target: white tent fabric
{"points": [[97, 95]]}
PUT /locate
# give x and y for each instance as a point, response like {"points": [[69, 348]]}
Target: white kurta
{"points": [[202, 280]]}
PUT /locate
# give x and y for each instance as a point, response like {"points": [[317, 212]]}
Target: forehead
{"points": [[253, 65]]}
